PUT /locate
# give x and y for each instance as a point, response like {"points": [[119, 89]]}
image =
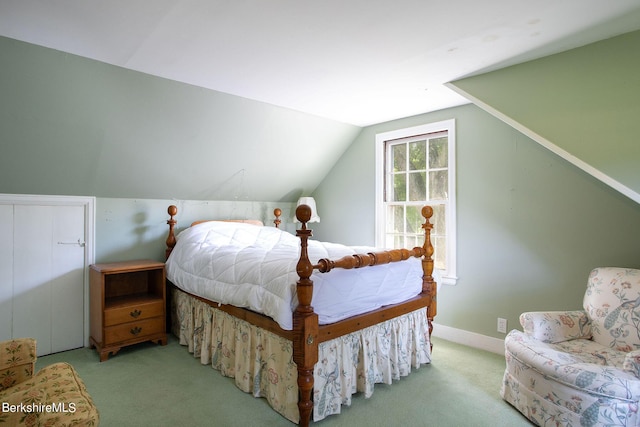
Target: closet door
{"points": [[48, 276], [67, 286]]}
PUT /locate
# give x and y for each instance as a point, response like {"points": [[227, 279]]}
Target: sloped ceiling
{"points": [[581, 104], [249, 99], [76, 126], [359, 62]]}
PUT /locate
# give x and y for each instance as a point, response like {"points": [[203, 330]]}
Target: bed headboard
{"points": [[173, 211], [244, 221]]}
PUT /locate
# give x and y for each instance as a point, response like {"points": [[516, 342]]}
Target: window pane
{"points": [[440, 252], [414, 241], [438, 185], [438, 153], [399, 187], [417, 186], [398, 241], [414, 219], [439, 220], [395, 219], [399, 157], [418, 155]]}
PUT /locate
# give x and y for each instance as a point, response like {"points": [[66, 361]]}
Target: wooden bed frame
{"points": [[307, 333]]}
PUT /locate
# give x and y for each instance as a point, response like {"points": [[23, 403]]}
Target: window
{"points": [[414, 167]]}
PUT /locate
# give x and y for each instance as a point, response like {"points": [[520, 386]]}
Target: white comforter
{"points": [[255, 267]]}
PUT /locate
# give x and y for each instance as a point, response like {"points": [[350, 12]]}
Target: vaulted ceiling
{"points": [[77, 126], [359, 62]]}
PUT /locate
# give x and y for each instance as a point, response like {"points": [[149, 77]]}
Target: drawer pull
{"points": [[135, 313], [136, 330]]}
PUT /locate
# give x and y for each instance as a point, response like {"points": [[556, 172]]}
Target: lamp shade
{"points": [[309, 201]]}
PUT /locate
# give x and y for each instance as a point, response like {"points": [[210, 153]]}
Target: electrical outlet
{"points": [[502, 325]]}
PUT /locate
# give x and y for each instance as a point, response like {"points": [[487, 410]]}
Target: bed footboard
{"points": [[305, 321]]}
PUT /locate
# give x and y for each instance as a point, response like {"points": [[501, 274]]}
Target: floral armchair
{"points": [[55, 396], [580, 368]]}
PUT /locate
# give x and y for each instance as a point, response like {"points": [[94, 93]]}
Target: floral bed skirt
{"points": [[262, 362]]}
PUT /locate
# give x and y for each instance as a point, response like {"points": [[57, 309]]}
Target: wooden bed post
{"points": [[428, 285], [171, 238], [305, 322], [277, 212]]}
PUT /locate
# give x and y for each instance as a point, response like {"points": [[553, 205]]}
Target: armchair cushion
{"points": [[556, 326], [17, 361], [579, 364], [573, 388]]}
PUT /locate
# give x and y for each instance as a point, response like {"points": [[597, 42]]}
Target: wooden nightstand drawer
{"points": [[134, 330], [133, 312]]}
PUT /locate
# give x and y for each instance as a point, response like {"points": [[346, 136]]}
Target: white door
{"points": [[48, 275], [67, 298]]}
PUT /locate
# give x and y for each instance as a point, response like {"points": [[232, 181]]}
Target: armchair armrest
{"points": [[17, 361], [556, 326]]}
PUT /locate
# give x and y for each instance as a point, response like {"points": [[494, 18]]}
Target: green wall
{"points": [[137, 228], [585, 101], [74, 126], [530, 225]]}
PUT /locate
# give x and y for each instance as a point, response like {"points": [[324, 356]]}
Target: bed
{"points": [[264, 331]]}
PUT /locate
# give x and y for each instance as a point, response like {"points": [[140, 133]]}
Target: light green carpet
{"points": [[151, 385]]}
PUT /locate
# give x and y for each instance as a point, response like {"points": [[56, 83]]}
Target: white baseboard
{"points": [[472, 339]]}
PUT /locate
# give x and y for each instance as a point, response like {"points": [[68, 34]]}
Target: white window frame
{"points": [[449, 276]]}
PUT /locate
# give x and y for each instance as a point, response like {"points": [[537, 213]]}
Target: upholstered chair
{"points": [[581, 367], [55, 396]]}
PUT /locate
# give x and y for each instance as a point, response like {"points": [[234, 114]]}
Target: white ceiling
{"points": [[355, 61]]}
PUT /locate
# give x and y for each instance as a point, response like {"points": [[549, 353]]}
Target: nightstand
{"points": [[127, 304]]}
